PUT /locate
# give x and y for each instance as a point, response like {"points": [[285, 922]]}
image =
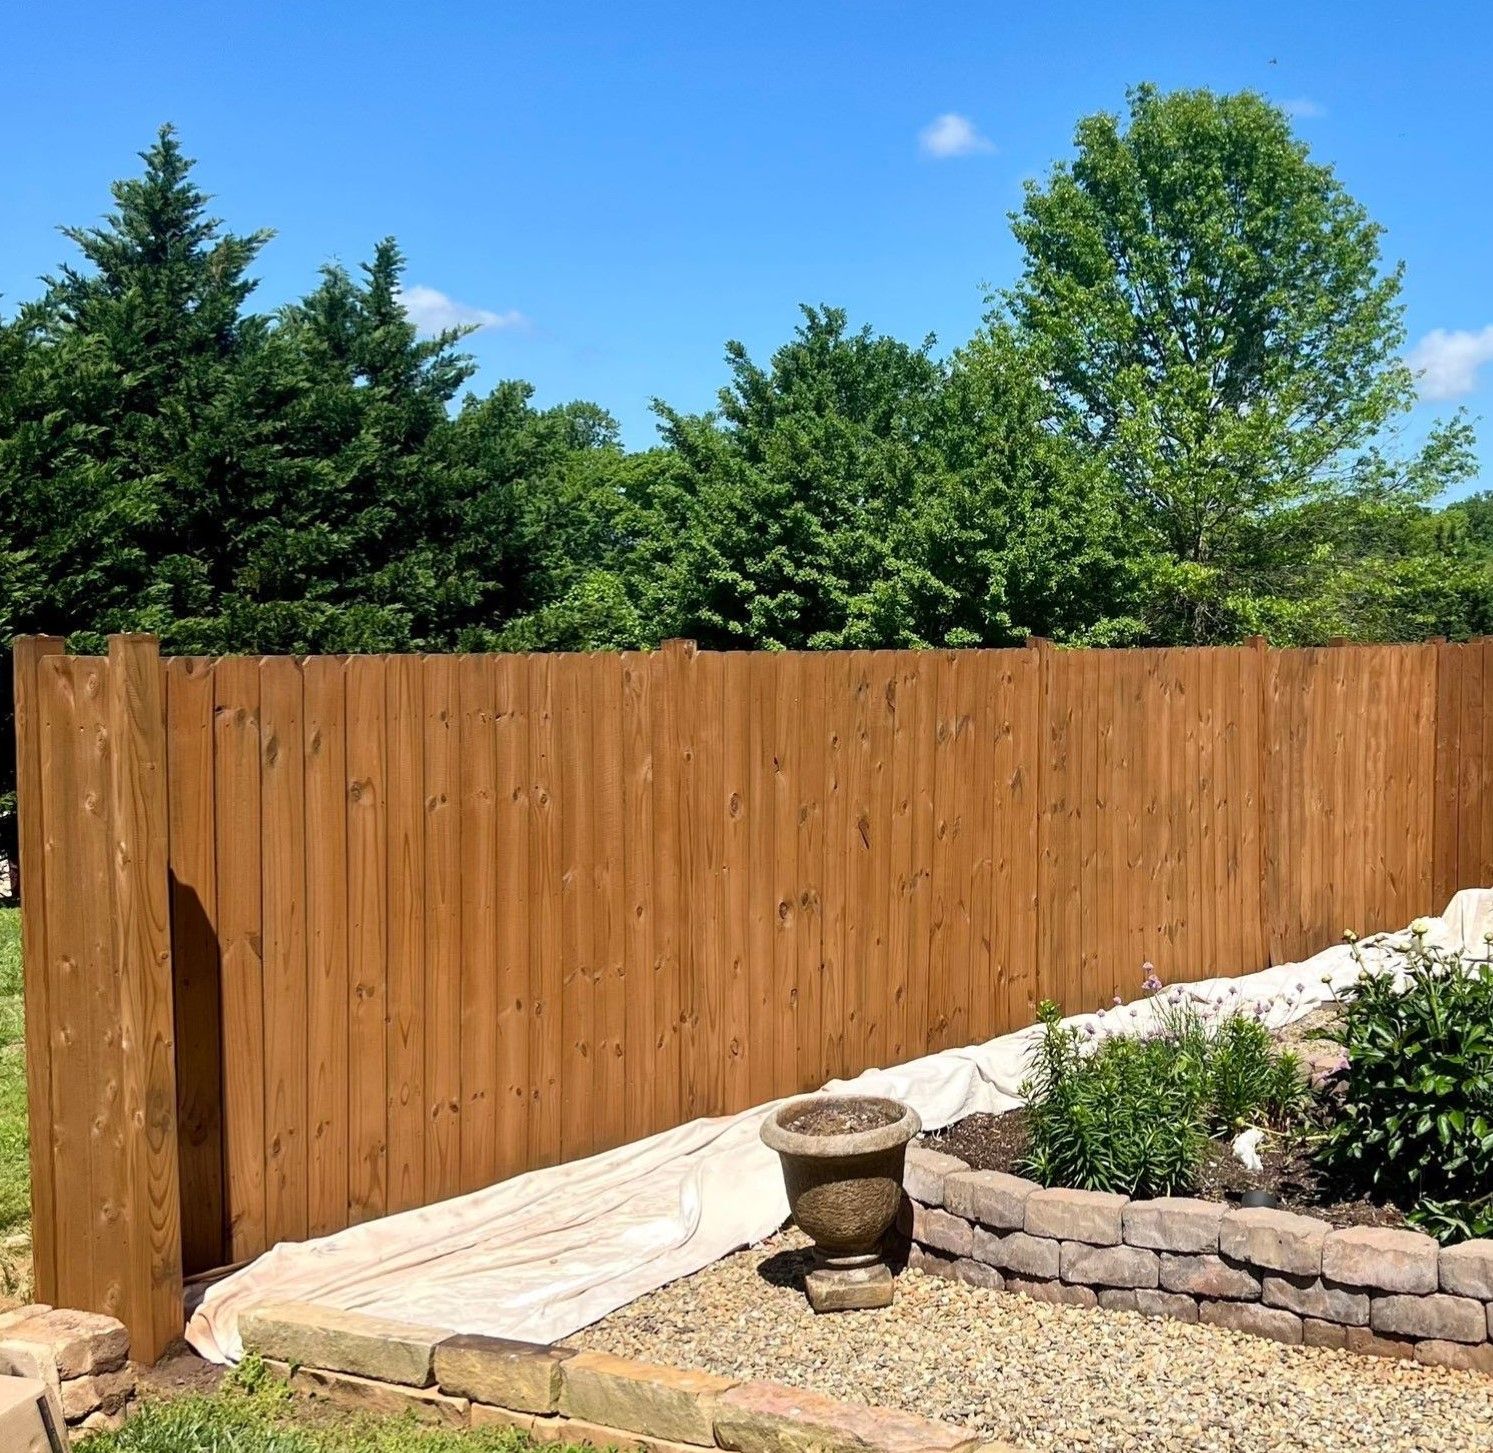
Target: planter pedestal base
{"points": [[849, 1289]]}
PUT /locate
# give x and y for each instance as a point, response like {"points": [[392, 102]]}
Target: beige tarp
{"points": [[543, 1254]]}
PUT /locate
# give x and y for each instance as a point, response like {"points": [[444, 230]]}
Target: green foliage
{"points": [[1170, 430], [1412, 1121], [1248, 1079], [15, 1165], [1217, 330], [1126, 1117], [255, 1413], [1133, 1113]]}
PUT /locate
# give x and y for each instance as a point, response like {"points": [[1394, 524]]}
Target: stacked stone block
{"points": [[1377, 1290], [82, 1358], [561, 1395]]}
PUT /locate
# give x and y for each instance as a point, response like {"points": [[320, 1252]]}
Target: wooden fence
{"points": [[311, 941]]}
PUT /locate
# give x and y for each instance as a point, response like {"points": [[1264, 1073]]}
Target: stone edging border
{"points": [[557, 1394], [1373, 1290]]}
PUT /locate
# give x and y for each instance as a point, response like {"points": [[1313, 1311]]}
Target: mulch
{"points": [[999, 1142]]}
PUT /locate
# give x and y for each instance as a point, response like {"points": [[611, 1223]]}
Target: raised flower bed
{"points": [[1278, 1274]]}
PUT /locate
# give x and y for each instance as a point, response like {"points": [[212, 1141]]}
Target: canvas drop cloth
{"points": [[545, 1253]]}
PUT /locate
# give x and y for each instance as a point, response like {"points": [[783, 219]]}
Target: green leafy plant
{"points": [[1413, 1116], [1245, 1078], [1133, 1113], [1128, 1116]]}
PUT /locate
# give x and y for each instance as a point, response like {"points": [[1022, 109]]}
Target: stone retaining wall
{"points": [[82, 1358], [560, 1394], [1392, 1293]]}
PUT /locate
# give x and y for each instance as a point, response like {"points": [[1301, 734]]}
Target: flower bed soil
{"points": [[845, 1116], [998, 1142]]}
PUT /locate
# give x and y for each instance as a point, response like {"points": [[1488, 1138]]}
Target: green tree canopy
{"points": [[1215, 324]]}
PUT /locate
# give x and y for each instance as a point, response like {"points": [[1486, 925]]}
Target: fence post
{"points": [[142, 946], [35, 965]]}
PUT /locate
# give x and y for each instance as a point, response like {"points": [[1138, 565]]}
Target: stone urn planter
{"points": [[842, 1165]]}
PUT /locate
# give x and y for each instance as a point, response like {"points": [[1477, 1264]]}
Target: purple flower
{"points": [[1117, 1000]]}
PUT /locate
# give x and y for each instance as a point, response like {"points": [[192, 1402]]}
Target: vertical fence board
{"points": [[909, 987], [194, 951], [367, 943], [838, 725], [545, 871], [761, 1027], [671, 931], [404, 776], [480, 903], [433, 921], [151, 1213], [283, 866], [809, 905], [784, 760], [577, 963], [325, 768], [640, 978], [236, 785], [513, 1080], [742, 1051], [63, 753], [441, 717], [609, 1068]]}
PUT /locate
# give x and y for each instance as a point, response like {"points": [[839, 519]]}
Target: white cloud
{"points": [[1303, 109], [432, 311], [953, 135], [1447, 360]]}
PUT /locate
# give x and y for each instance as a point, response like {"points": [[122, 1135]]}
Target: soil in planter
{"points": [[998, 1142], [841, 1117]]}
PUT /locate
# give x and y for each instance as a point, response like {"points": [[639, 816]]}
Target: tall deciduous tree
{"points": [[1218, 331]]}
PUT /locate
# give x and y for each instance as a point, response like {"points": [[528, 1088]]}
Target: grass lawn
{"points": [[15, 1171], [255, 1413]]}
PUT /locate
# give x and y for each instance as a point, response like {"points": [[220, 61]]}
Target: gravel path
{"points": [[1048, 1377]]}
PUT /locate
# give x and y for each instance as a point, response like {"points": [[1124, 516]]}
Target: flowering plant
{"points": [[1413, 1119], [1133, 1112]]}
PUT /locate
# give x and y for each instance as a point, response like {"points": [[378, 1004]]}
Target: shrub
{"points": [[1413, 1120], [1134, 1113], [1247, 1080], [1127, 1116]]}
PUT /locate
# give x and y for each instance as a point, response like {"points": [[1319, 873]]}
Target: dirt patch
{"points": [[841, 1117], [180, 1371], [999, 1142]]}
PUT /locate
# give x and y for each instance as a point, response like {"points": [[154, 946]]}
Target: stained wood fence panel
{"points": [[433, 921]]}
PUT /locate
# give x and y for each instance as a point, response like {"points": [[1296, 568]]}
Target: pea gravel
{"points": [[1047, 1377]]}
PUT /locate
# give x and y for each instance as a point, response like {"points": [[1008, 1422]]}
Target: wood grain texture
{"points": [[480, 891], [440, 700], [327, 982], [283, 876], [437, 920], [194, 943], [367, 943], [405, 1044], [236, 790], [513, 1081], [151, 1208]]}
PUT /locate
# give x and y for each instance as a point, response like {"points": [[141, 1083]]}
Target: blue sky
{"points": [[617, 189]]}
